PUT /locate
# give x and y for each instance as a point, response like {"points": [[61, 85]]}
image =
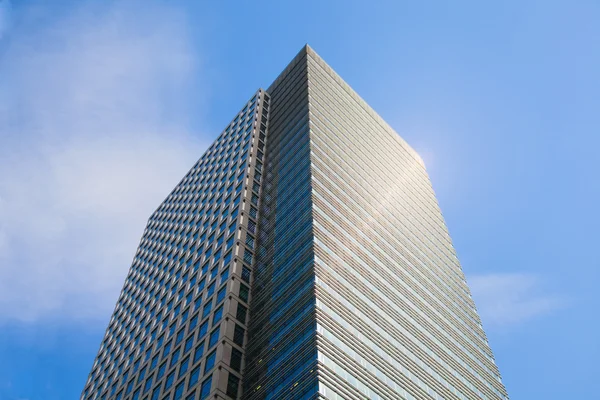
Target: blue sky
{"points": [[104, 105]]}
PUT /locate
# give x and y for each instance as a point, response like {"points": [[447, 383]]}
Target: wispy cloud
{"points": [[504, 300], [94, 133]]}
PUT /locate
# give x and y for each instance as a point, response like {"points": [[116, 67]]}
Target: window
{"points": [[142, 374], [244, 292], [236, 359], [241, 313], [148, 384], [188, 298], [253, 212], [203, 329], [213, 273], [156, 393], [154, 362], [224, 276], [167, 349], [180, 335], [184, 366], [184, 316], [199, 352], [227, 258], [232, 385], [179, 390], [194, 376], [210, 290], [188, 344], [210, 361], [207, 309], [193, 322], [169, 381], [221, 294], [201, 284], [214, 338], [129, 387], [251, 226], [205, 390], [250, 241], [238, 335], [218, 315], [161, 370], [245, 274], [205, 266], [175, 357], [231, 239], [247, 256]]}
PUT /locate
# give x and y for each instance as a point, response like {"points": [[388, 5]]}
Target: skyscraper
{"points": [[303, 256]]}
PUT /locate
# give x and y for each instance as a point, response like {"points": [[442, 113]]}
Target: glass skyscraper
{"points": [[303, 256]]}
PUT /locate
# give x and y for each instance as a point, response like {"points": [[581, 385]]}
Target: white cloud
{"points": [[94, 133], [504, 300]]}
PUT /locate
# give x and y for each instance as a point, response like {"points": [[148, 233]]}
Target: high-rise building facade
{"points": [[303, 256]]}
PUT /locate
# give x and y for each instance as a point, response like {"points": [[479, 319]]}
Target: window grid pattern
{"points": [[281, 342], [171, 323], [383, 254]]}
